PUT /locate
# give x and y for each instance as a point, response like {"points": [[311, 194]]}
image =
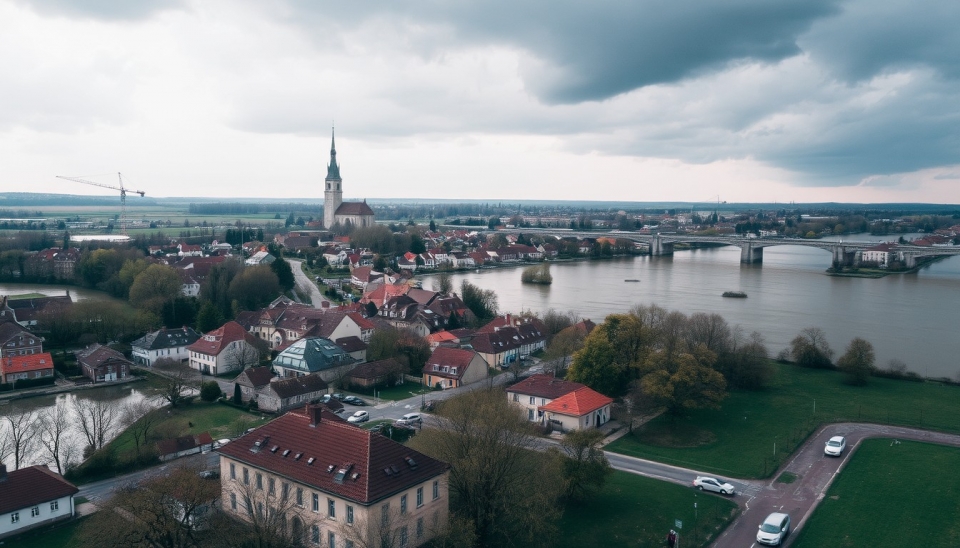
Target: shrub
{"points": [[210, 391]]}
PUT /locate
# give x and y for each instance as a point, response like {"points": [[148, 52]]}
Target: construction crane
{"points": [[123, 196]]}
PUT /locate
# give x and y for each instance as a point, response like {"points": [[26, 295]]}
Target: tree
{"points": [[139, 418], [237, 394], [242, 355], [284, 273], [162, 512], [97, 420], [254, 287], [22, 433], [506, 490], [562, 346], [209, 317], [178, 380], [264, 518], [608, 355], [747, 365], [442, 284], [210, 391], [585, 468], [810, 349], [55, 435], [686, 382], [857, 362], [433, 226], [155, 288], [482, 302]]}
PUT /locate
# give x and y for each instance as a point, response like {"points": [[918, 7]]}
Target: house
{"points": [[250, 381], [31, 497], [388, 372], [52, 264], [103, 364], [453, 367], [31, 366], [260, 257], [182, 446], [442, 338], [506, 339], [313, 355], [354, 347], [165, 343], [283, 394], [346, 483], [15, 340], [28, 310], [228, 348], [536, 391], [189, 284], [881, 255], [188, 250], [582, 408], [364, 275]]}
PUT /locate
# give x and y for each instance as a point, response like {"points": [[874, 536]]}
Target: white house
{"points": [[31, 497], [229, 348], [165, 343]]}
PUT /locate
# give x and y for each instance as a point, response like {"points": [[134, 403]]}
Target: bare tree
{"points": [[386, 528], [55, 433], [179, 380], [22, 433], [5, 447], [265, 507], [241, 356], [139, 418], [96, 420]]}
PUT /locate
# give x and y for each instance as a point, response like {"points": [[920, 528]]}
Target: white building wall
{"points": [[45, 514]]}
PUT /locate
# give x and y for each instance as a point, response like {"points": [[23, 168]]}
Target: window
{"points": [[331, 508], [260, 509], [348, 544], [246, 476], [54, 506], [316, 502], [403, 504], [15, 517], [331, 540], [403, 537], [259, 481], [385, 514], [516, 397], [419, 497], [271, 486], [436, 489], [35, 511], [419, 528], [300, 497], [285, 490], [350, 515], [233, 501], [533, 401], [315, 534], [233, 471]]}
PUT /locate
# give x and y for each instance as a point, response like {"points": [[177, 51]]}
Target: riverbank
{"points": [[7, 397]]}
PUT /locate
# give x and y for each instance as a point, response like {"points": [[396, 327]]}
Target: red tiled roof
{"points": [[374, 467], [255, 377], [97, 355], [30, 362], [214, 342], [545, 386], [578, 403], [31, 486], [354, 208], [362, 322]]}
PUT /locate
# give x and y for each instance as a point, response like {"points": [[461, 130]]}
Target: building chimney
{"points": [[509, 320], [313, 411]]}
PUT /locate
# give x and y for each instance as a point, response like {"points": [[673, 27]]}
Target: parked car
{"points": [[410, 419], [220, 443], [340, 412], [326, 398], [338, 396], [774, 529], [359, 416], [835, 446], [717, 485], [353, 400], [210, 474]]}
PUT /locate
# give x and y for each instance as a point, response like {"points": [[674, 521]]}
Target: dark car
{"points": [[353, 400], [338, 396]]}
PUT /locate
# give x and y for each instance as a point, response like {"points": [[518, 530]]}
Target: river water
{"points": [[910, 317]]}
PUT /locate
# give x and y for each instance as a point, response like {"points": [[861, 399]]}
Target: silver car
{"points": [[706, 483], [774, 529], [835, 446]]}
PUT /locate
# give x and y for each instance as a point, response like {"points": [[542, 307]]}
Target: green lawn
{"points": [[395, 393], [60, 536], [633, 511], [890, 495], [755, 432]]}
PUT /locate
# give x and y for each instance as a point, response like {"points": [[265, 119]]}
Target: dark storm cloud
{"points": [[102, 9]]}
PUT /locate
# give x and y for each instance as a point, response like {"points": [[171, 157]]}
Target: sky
{"points": [[642, 100]]}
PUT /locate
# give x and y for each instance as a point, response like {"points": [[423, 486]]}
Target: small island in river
{"points": [[735, 294]]}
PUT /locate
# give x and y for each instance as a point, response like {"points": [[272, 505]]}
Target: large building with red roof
{"points": [[453, 367], [535, 391], [582, 408], [228, 348], [103, 364], [338, 483], [31, 366], [31, 497]]}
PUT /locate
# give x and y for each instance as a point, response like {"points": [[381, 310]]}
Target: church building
{"points": [[335, 210]]}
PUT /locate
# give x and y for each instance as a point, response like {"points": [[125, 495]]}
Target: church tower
{"points": [[333, 193]]}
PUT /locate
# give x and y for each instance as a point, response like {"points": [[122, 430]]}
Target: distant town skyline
{"points": [[749, 101]]}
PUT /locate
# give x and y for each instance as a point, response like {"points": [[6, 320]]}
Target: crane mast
{"points": [[123, 196]]}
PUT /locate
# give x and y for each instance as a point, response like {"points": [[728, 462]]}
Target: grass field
{"points": [[755, 432], [634, 511], [892, 495], [395, 393]]}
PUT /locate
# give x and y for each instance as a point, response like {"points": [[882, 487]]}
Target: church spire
{"points": [[333, 169]]}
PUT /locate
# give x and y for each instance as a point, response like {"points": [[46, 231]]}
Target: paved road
{"points": [[815, 473], [101, 490], [306, 284]]}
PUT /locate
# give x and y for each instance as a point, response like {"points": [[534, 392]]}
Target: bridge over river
{"points": [[751, 249]]}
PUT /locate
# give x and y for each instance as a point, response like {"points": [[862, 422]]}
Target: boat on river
{"points": [[735, 294]]}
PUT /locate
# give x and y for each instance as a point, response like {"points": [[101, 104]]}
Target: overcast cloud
{"points": [[749, 100]]}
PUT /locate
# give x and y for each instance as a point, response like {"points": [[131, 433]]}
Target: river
{"points": [[910, 317]]}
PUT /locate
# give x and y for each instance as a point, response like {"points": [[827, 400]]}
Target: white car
{"points": [[706, 483], [835, 446], [221, 443], [774, 529], [410, 419], [359, 416]]}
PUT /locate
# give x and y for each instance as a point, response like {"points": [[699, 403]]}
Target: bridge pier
{"points": [[909, 260], [750, 254], [842, 257], [659, 247]]}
